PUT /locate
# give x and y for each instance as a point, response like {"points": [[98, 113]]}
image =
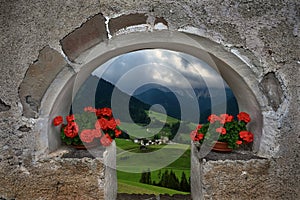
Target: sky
{"points": [[164, 67]]}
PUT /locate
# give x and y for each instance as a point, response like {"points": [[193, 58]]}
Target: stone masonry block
{"points": [[88, 35], [124, 21], [236, 179], [271, 87], [4, 106], [160, 20], [38, 78], [56, 179]]}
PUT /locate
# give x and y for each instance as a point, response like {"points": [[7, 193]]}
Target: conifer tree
{"points": [[184, 185]]}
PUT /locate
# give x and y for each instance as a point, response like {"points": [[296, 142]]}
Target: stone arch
{"points": [[236, 73]]}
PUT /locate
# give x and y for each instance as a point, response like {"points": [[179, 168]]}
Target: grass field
{"points": [[140, 188], [131, 161], [162, 117], [136, 131]]}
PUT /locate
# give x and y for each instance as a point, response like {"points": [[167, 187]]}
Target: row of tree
{"points": [[167, 180]]}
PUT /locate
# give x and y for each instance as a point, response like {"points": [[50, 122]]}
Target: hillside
{"points": [[98, 92]]}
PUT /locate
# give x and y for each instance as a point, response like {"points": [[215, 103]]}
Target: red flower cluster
{"points": [[71, 129], [246, 136], [106, 140], [88, 135], [106, 127], [223, 118], [195, 136], [221, 130], [89, 109], [105, 123], [232, 131], [58, 120], [242, 116], [213, 118]]}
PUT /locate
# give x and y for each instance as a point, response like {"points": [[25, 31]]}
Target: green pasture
{"points": [[131, 162]]}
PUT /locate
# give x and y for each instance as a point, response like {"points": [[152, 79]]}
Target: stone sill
{"points": [[234, 155], [71, 153]]}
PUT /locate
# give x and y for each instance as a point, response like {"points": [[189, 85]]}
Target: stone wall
{"points": [[263, 34]]}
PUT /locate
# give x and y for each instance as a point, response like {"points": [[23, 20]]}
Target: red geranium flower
{"points": [[246, 136], [57, 120], [242, 116], [101, 124], [221, 130], [96, 132], [106, 140], [106, 112], [229, 118], [111, 124], [243, 134], [199, 126], [71, 130], [70, 118], [193, 135], [225, 118], [98, 112], [213, 118], [87, 136], [200, 136], [250, 137], [118, 132], [89, 109], [118, 122], [239, 142]]}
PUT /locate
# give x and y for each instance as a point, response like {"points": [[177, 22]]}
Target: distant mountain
{"points": [[98, 92], [156, 94], [162, 96]]}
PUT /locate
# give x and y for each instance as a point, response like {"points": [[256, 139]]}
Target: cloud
{"points": [[165, 67]]}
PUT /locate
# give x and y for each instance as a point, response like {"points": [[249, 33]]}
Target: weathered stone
{"points": [[235, 155], [124, 21], [55, 179], [272, 89], [3, 106], [257, 8], [160, 20], [38, 78], [89, 34], [24, 128], [236, 179]]}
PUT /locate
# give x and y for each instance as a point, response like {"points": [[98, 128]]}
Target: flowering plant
{"points": [[99, 126], [229, 130]]}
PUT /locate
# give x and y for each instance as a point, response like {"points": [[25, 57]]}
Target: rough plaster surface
{"points": [[124, 21], [54, 179], [89, 34], [236, 180], [38, 78], [263, 33], [273, 90]]}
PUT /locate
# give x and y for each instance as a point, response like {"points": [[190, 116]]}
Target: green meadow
{"points": [[130, 174]]}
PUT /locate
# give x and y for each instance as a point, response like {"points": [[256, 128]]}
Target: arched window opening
{"points": [[160, 96], [231, 72]]}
